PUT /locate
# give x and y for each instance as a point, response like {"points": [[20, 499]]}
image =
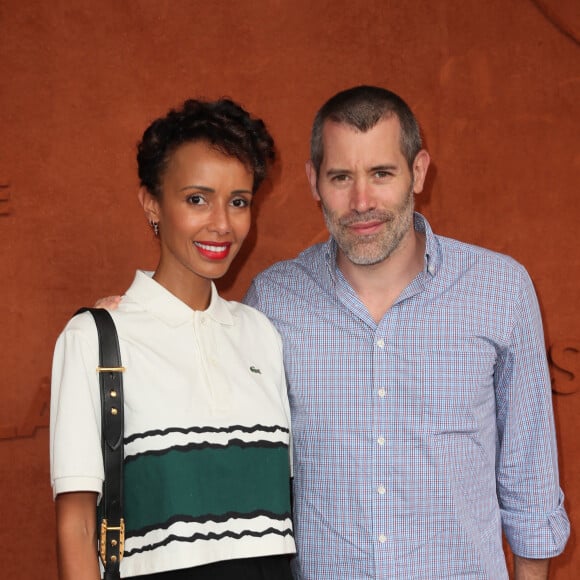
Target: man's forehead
{"points": [[341, 136]]}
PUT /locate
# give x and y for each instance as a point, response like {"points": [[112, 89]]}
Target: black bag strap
{"points": [[110, 369]]}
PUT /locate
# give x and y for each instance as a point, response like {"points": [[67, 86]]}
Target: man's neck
{"points": [[378, 286]]}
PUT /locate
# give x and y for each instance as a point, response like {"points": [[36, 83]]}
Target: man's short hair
{"points": [[363, 107]]}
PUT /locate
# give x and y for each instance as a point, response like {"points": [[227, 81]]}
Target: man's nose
{"points": [[361, 196]]}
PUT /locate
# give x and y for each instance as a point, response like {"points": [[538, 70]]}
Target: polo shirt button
{"points": [[382, 538], [381, 343], [381, 489], [382, 393], [381, 440]]}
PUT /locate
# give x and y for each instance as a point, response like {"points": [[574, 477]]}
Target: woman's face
{"points": [[204, 213]]}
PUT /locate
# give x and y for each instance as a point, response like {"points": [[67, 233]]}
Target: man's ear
{"points": [[420, 166], [312, 179], [149, 203]]}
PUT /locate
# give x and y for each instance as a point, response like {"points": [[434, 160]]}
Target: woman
{"points": [[206, 481]]}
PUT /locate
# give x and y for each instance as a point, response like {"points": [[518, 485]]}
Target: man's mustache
{"points": [[373, 215]]}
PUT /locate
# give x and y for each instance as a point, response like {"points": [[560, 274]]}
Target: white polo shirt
{"points": [[206, 428]]}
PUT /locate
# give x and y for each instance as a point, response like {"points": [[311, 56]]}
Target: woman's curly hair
{"points": [[222, 124]]}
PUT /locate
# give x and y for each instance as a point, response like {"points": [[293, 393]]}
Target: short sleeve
{"points": [[75, 449]]}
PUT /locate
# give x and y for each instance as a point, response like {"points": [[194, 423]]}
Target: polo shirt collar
{"points": [[165, 306]]}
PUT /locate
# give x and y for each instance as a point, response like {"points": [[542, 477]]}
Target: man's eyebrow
{"points": [[332, 172], [384, 167]]}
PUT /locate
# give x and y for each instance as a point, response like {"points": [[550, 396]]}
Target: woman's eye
{"points": [[195, 199], [241, 202]]}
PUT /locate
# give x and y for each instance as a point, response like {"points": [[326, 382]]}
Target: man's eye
{"points": [[382, 174], [339, 178]]}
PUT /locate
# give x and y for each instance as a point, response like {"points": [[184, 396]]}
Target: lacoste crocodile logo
{"points": [[255, 370]]}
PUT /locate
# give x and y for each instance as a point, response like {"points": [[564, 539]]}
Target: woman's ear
{"points": [[150, 204]]}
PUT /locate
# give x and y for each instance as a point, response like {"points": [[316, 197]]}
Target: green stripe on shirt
{"points": [[196, 484]]}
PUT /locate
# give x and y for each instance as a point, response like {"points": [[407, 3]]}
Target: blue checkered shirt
{"points": [[418, 439]]}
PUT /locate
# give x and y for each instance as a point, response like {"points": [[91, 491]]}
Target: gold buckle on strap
{"points": [[103, 540]]}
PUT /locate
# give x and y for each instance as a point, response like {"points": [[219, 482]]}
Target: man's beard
{"points": [[374, 248]]}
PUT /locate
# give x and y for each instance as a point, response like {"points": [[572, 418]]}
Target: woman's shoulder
{"points": [[77, 341], [81, 324]]}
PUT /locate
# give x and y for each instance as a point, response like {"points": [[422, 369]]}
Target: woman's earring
{"points": [[155, 226]]}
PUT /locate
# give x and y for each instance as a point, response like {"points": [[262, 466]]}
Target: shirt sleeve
{"points": [[252, 298], [531, 501], [285, 403], [75, 417]]}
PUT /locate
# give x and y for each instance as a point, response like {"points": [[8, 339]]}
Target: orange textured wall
{"points": [[496, 85]]}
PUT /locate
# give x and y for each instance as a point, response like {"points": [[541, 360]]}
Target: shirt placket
{"points": [[379, 487]]}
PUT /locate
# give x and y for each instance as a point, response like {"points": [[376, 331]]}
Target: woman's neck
{"points": [[191, 289]]}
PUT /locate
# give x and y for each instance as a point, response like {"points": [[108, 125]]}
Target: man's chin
{"points": [[364, 258]]}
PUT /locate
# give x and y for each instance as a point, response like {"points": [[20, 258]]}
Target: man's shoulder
{"points": [[288, 284], [306, 265], [463, 254], [459, 258]]}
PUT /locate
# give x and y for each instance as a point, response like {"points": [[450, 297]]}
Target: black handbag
{"points": [[111, 526]]}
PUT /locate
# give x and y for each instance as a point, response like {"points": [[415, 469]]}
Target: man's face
{"points": [[366, 189]]}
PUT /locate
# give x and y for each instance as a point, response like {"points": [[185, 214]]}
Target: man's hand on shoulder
{"points": [[110, 302]]}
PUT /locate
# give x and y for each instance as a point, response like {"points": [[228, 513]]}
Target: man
{"points": [[419, 389]]}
